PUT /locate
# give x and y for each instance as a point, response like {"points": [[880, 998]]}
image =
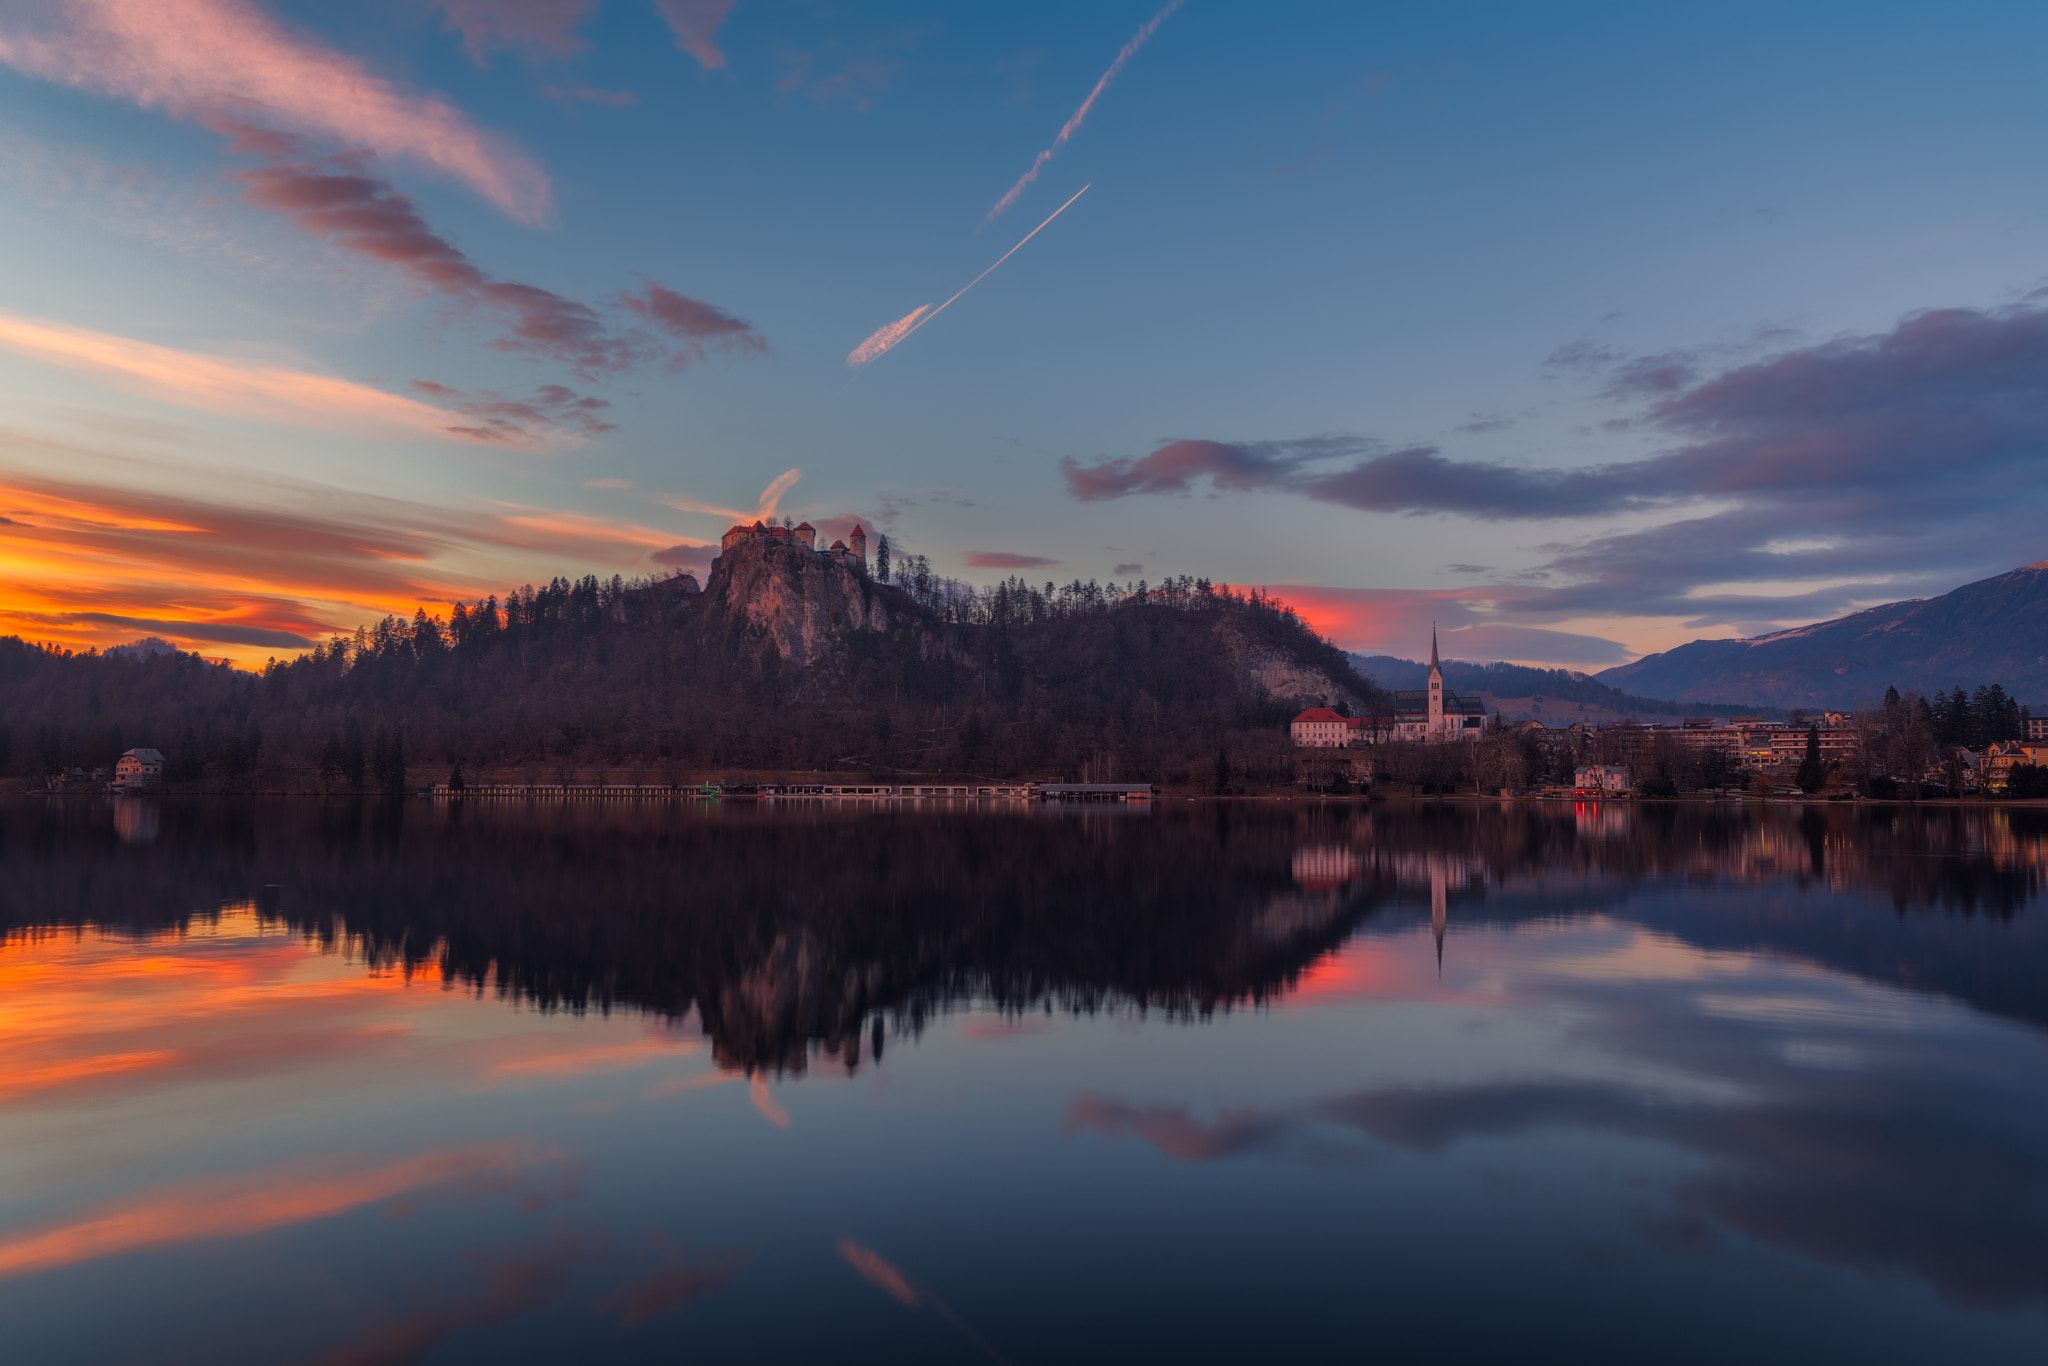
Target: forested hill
{"points": [[784, 660]]}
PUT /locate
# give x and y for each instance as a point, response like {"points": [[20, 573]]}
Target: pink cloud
{"points": [[693, 323], [695, 24], [552, 407], [995, 559], [226, 58], [540, 30], [338, 200]]}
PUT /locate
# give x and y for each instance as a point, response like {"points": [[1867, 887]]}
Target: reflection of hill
{"points": [[792, 930], [782, 930], [1931, 900]]}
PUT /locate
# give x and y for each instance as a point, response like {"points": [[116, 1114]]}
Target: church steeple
{"points": [[1432, 649]]}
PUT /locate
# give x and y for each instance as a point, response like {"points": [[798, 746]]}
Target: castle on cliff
{"points": [[851, 552]]}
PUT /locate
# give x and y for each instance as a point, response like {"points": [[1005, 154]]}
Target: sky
{"points": [[1578, 331]]}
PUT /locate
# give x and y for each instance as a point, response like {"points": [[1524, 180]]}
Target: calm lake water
{"points": [[338, 1083]]}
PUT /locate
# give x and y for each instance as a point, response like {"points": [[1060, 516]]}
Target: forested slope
{"points": [[783, 661]]}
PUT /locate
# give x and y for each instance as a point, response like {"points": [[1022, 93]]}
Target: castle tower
{"points": [[1436, 690], [858, 544], [807, 536]]}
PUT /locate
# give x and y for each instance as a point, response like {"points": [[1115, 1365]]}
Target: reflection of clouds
{"points": [[529, 1278], [675, 1282], [879, 1272], [252, 1203], [1935, 1165]]}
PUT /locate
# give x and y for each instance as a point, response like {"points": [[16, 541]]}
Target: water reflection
{"points": [[1725, 1041]]}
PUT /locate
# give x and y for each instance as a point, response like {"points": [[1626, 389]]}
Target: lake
{"points": [[336, 1082]]}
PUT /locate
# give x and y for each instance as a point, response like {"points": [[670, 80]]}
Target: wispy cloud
{"points": [[771, 498], [337, 199], [550, 408], [229, 385], [539, 30], [996, 559], [1073, 124], [227, 58], [693, 324], [695, 25]]}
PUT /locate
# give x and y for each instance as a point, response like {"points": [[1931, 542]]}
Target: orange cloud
{"points": [[92, 565], [236, 1206], [195, 58], [227, 385]]}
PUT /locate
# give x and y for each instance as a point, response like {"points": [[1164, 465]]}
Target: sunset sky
{"points": [[1581, 330]]}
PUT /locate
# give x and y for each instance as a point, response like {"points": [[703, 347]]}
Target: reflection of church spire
{"points": [[1439, 897]]}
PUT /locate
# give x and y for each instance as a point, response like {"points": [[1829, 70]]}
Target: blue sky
{"points": [[1583, 330]]}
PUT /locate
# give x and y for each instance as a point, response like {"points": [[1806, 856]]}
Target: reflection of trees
{"points": [[792, 930], [783, 931]]}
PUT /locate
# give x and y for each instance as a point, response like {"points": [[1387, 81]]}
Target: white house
{"points": [[1596, 779]]}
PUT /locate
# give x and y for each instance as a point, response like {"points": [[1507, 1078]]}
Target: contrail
{"points": [[1073, 124], [895, 332]]}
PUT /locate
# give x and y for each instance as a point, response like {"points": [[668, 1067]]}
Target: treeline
{"points": [[648, 680]]}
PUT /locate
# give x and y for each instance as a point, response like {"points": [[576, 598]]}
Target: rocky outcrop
{"points": [[1280, 672], [801, 602]]}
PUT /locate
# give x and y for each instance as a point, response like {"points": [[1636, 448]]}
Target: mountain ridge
{"points": [[1994, 630]]}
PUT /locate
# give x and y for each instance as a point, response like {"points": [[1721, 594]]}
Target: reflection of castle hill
{"points": [[788, 931], [784, 931]]}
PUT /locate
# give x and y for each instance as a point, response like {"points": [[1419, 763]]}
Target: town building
{"points": [[1595, 780], [2000, 760], [2037, 727], [139, 768], [1321, 728], [1435, 712]]}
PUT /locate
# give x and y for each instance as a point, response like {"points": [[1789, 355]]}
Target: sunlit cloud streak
{"points": [[771, 499], [1073, 124], [886, 337], [882, 1274], [895, 333], [240, 1205], [228, 385], [212, 58]]}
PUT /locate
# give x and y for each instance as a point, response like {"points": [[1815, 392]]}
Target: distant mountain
{"points": [[1519, 690], [1993, 631]]}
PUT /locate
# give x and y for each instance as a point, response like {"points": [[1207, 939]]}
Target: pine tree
{"points": [[882, 558], [1812, 774], [352, 765]]}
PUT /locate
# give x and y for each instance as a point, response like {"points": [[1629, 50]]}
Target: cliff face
{"points": [[1281, 672], [801, 602]]}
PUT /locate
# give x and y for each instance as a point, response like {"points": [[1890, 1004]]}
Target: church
{"points": [[1435, 712]]}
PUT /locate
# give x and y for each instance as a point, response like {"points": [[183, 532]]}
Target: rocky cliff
{"points": [[801, 602]]}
